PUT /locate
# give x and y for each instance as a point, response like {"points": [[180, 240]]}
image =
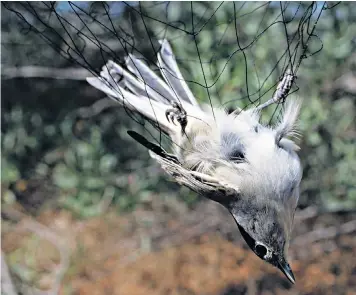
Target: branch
{"points": [[45, 72], [312, 212], [307, 213], [325, 233], [45, 233], [7, 286], [96, 108], [347, 83]]}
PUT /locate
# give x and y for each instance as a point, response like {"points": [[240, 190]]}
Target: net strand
{"points": [[73, 31]]}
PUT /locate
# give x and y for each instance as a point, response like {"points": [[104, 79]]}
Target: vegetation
{"points": [[69, 171], [44, 139]]}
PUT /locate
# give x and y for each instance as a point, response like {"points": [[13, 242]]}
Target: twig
{"points": [[325, 233], [44, 72], [313, 211], [45, 233], [251, 287], [96, 108], [307, 213], [7, 286]]}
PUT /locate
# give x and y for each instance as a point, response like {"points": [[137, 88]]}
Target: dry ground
{"points": [[134, 255]]}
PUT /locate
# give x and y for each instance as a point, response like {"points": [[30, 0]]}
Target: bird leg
{"points": [[177, 113]]}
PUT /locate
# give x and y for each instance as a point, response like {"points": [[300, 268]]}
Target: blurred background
{"points": [[84, 208]]}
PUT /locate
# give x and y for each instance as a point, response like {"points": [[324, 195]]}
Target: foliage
{"points": [[91, 160]]}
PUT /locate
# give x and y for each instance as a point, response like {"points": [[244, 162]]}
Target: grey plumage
{"points": [[251, 169]]}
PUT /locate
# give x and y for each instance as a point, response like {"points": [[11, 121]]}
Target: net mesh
{"points": [[230, 53]]}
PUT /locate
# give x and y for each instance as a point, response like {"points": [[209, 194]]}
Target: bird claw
{"points": [[177, 113], [170, 116]]}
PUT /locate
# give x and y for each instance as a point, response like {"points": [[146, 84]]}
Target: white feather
{"points": [[172, 74], [287, 126]]}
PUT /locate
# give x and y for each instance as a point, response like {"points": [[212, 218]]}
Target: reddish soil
{"points": [[108, 256]]}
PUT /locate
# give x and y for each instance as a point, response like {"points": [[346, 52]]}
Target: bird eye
{"points": [[232, 148], [236, 156], [260, 250]]}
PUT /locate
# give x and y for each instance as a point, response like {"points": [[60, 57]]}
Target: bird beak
{"points": [[285, 268], [282, 264]]}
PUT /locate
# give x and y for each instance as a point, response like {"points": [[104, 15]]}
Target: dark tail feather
{"points": [[152, 146]]}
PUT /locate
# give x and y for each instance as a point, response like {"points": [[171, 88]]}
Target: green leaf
{"points": [[64, 177], [107, 163], [9, 171]]}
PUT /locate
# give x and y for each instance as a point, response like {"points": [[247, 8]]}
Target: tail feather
{"points": [[151, 109], [104, 86], [172, 74], [150, 82], [128, 80], [140, 89], [134, 84]]}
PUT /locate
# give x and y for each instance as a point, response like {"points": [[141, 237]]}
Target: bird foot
{"points": [[177, 113]]}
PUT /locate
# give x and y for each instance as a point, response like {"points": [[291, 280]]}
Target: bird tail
{"points": [[141, 90]]}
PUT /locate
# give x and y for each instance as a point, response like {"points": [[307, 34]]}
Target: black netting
{"points": [[231, 53]]}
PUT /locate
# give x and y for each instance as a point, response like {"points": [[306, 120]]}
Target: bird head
{"points": [[265, 232]]}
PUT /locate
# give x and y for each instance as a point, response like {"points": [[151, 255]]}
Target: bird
{"points": [[250, 168]]}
